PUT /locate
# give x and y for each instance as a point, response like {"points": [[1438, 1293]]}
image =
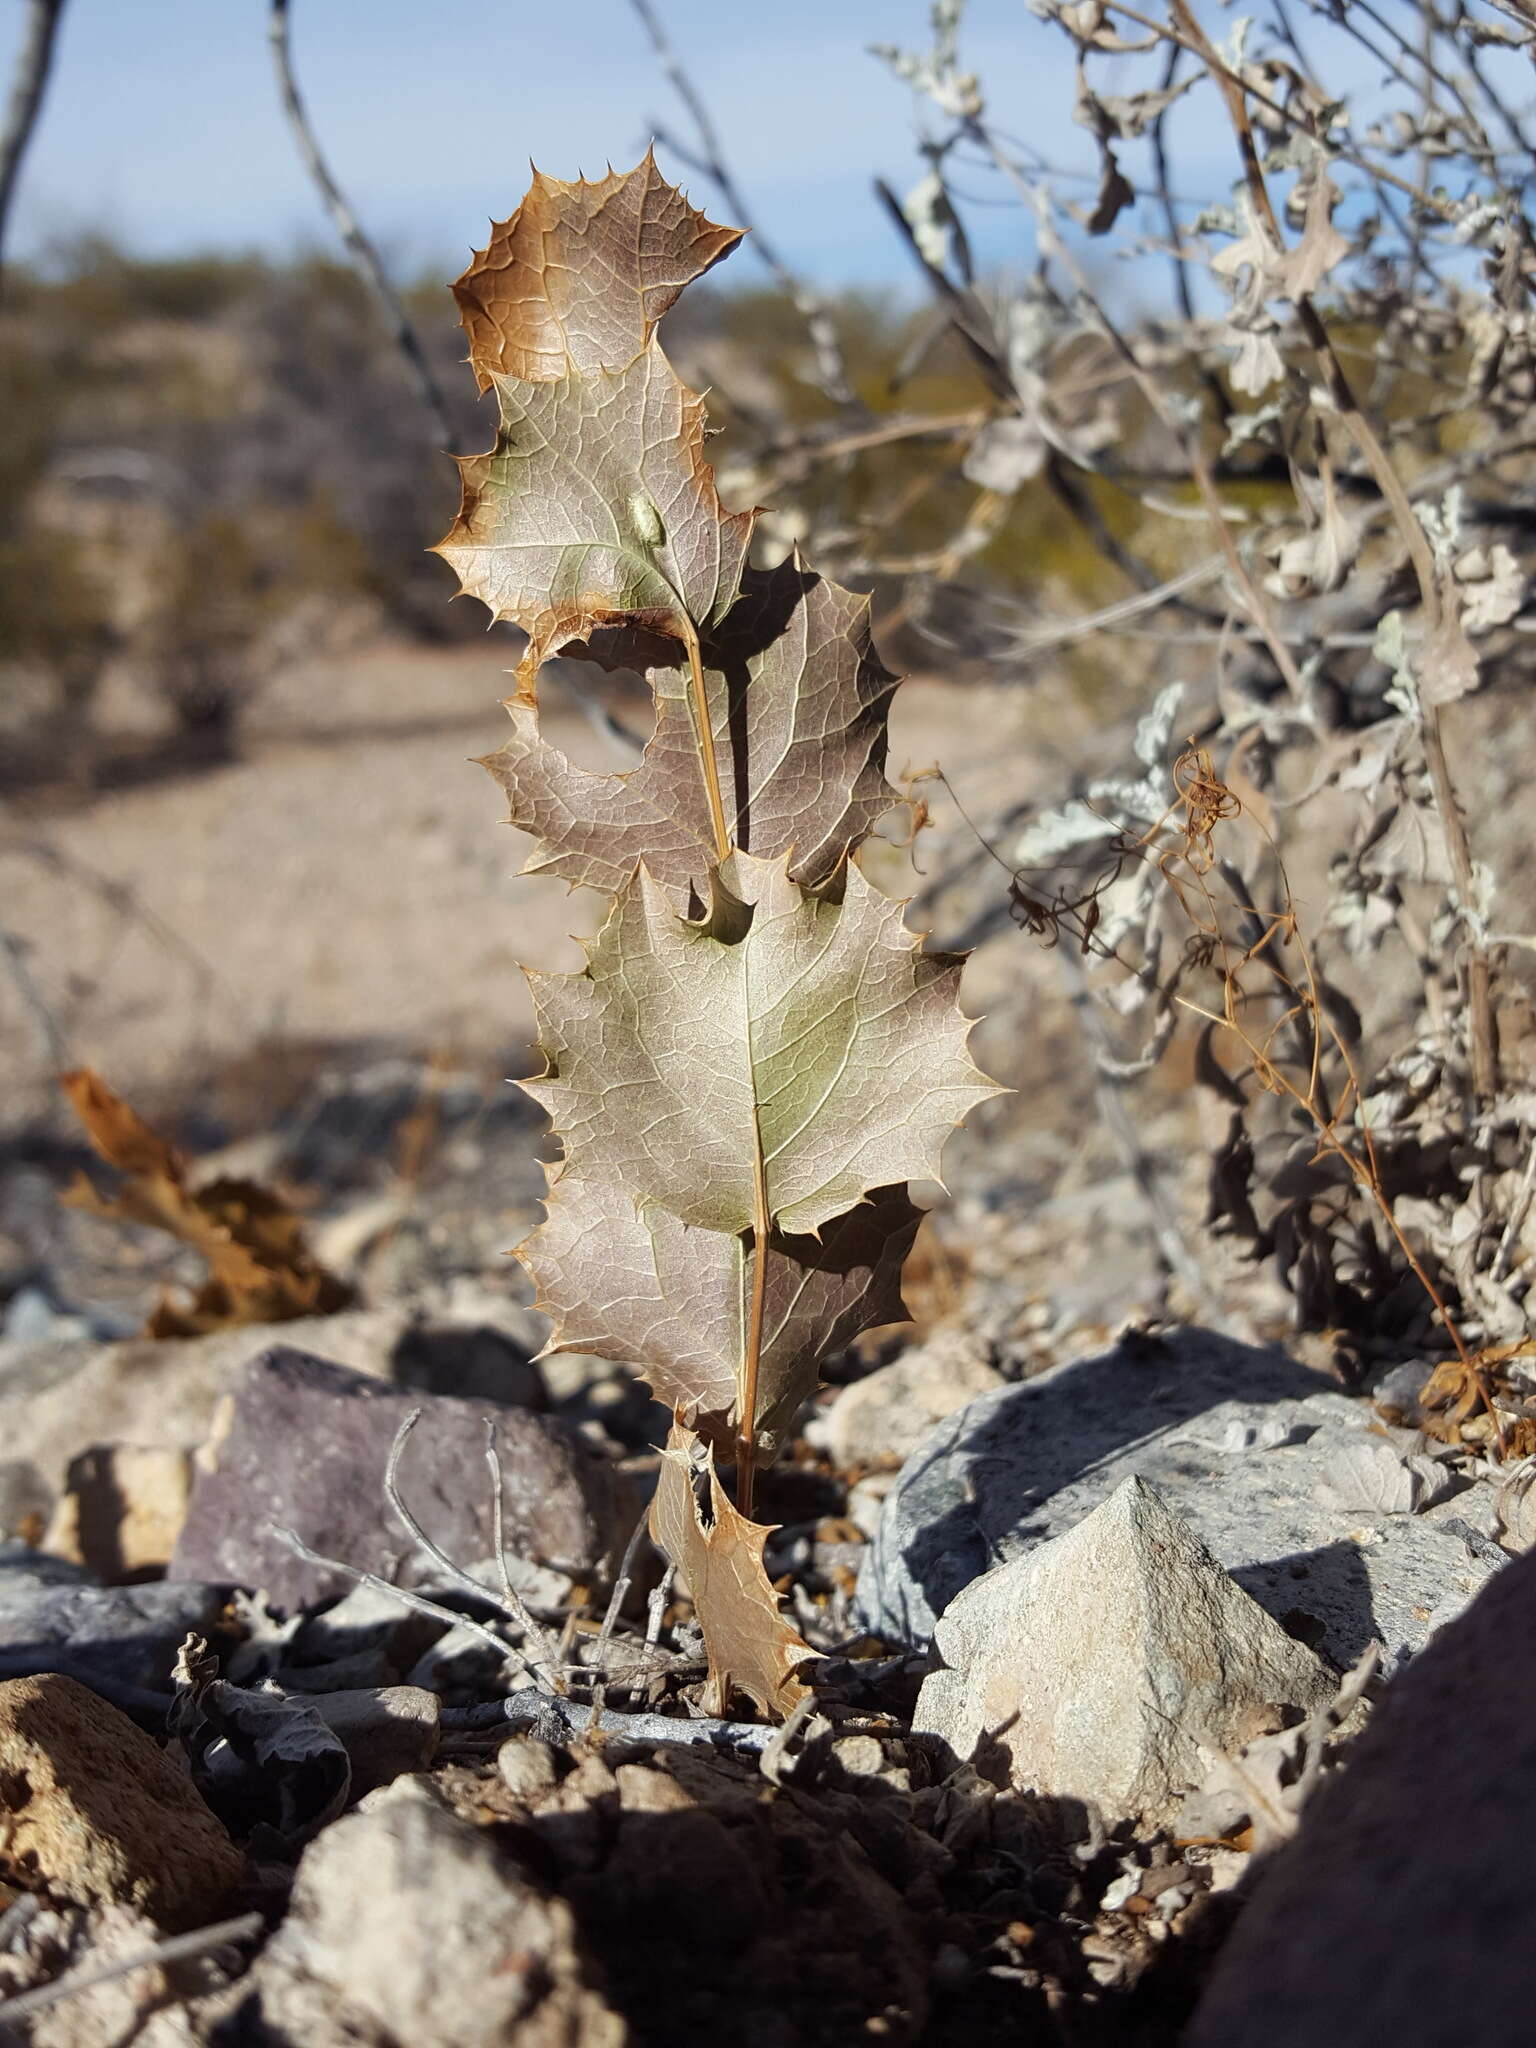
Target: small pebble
{"points": [[527, 1765]]}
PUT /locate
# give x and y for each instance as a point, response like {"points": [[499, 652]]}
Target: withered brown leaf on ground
{"points": [[798, 700], [260, 1269], [632, 1282], [751, 1647]]}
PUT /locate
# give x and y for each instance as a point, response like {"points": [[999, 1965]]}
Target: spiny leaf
{"points": [[798, 700], [636, 1284], [823, 1043], [751, 1647], [579, 276], [596, 508], [260, 1270]]}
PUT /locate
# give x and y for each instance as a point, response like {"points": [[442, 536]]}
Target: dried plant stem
{"points": [[1482, 1033], [621, 1585], [450, 1617], [746, 1422], [762, 1222], [831, 369], [179, 1947], [545, 1658], [350, 229], [1199, 45], [49, 1033], [1363, 1165], [704, 733], [26, 103], [1257, 605]]}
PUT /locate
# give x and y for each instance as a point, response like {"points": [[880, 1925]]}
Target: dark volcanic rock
{"points": [[306, 1446], [1403, 1911], [119, 1640]]}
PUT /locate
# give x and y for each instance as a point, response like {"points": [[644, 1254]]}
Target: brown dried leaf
{"points": [[816, 1032], [751, 1647], [260, 1270], [596, 508], [798, 700], [580, 275], [636, 1284]]}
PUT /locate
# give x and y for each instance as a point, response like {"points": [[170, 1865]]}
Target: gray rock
{"points": [[64, 1396], [1403, 1911], [363, 1622], [597, 1392], [25, 1570], [1238, 1439], [1095, 1666], [387, 1730], [119, 1640], [881, 1419], [409, 1930], [305, 1448]]}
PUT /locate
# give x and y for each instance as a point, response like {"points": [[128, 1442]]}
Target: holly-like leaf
{"points": [[798, 700], [787, 1036], [751, 1647], [579, 276], [636, 1284], [596, 508]]}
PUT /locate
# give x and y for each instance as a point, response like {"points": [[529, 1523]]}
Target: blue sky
{"points": [[162, 126]]}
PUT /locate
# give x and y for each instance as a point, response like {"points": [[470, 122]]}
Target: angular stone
{"points": [[408, 1927], [882, 1418], [122, 1509], [388, 1730], [62, 1396], [1236, 1438], [1403, 1910], [1094, 1667], [120, 1640], [305, 1447], [95, 1810]]}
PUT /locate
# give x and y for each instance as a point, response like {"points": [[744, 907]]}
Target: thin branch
{"points": [[831, 367], [621, 1586], [1483, 1028], [350, 229], [515, 1608], [417, 1602], [244, 1927], [49, 1033], [26, 103], [557, 1720]]}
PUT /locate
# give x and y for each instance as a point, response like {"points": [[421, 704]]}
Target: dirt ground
{"points": [[351, 879]]}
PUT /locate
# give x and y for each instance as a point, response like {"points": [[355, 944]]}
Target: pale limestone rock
{"points": [[1093, 1668], [881, 1419]]}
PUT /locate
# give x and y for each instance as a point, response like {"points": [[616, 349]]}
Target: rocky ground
{"points": [[1168, 1690], [287, 1756]]}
